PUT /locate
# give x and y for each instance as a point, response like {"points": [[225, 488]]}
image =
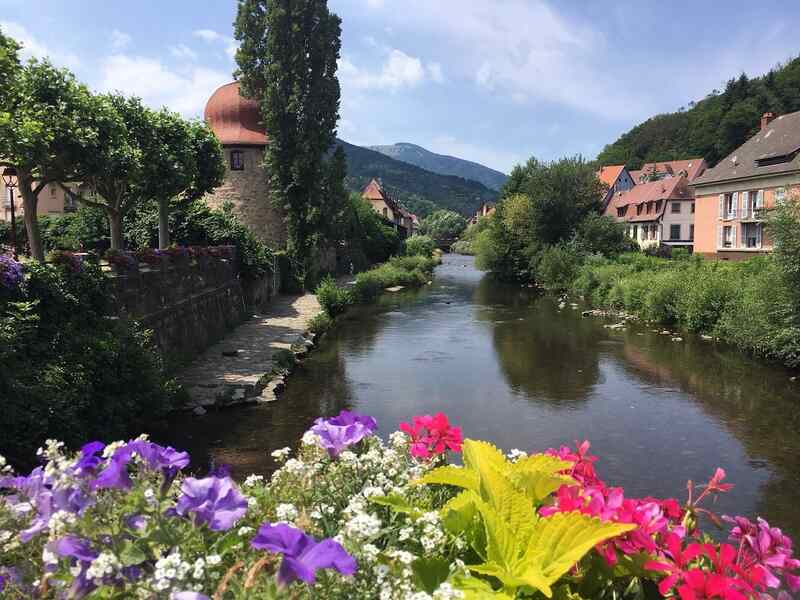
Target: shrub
{"points": [[556, 266], [419, 245], [320, 323], [333, 299], [71, 371]]}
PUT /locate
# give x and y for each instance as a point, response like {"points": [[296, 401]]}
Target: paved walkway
{"points": [[233, 369]]}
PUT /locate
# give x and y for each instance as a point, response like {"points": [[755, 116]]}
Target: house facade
{"points": [[52, 202], [656, 212], [486, 209], [393, 213], [617, 178], [733, 198]]}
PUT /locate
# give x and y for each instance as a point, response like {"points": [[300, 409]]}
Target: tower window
{"points": [[237, 160]]}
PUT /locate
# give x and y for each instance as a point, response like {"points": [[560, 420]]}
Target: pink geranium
{"points": [[432, 435]]}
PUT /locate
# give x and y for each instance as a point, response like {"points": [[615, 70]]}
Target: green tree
{"points": [[287, 60], [113, 178], [52, 121], [443, 225], [182, 161]]}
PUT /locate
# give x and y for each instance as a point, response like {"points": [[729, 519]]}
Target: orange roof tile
{"points": [[672, 188], [235, 120], [609, 174], [693, 167]]}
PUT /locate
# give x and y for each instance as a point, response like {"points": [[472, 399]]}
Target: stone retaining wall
{"points": [[189, 304]]}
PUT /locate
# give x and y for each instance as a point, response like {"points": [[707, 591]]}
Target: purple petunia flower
{"points": [[346, 429], [188, 596], [213, 501], [302, 555], [81, 553], [115, 475], [10, 272]]}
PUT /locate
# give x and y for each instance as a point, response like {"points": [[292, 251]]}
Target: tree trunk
{"points": [[163, 224], [115, 225], [30, 203]]}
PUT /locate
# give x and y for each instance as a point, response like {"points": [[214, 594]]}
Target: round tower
{"points": [[236, 121]]}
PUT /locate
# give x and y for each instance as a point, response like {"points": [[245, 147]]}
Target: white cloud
{"points": [[183, 52], [119, 39], [398, 71], [375, 3], [33, 48], [185, 92], [207, 35]]}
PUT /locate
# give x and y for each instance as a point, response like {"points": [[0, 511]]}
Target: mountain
{"points": [[713, 127], [419, 190], [443, 164]]}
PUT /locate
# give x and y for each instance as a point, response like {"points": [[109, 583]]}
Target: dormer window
{"points": [[237, 160], [776, 159]]}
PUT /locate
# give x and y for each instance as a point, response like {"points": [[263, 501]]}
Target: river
{"points": [[509, 366]]}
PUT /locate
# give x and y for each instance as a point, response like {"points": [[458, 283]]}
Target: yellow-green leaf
{"points": [[560, 541], [478, 454], [452, 475]]}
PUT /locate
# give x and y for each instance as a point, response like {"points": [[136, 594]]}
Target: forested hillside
{"points": [[712, 127], [420, 191], [443, 164]]}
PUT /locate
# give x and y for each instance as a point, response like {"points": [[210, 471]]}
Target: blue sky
{"points": [[495, 81]]}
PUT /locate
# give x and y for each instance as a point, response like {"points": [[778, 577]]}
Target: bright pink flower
{"points": [[432, 435], [583, 463]]}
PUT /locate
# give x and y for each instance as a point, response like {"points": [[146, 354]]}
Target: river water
{"points": [[509, 366]]}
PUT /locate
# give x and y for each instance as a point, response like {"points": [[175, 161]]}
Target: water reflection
{"points": [[511, 367]]}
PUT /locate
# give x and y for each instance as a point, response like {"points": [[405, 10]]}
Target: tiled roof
{"points": [[693, 167], [374, 191], [780, 138], [235, 120], [609, 174], [666, 190]]}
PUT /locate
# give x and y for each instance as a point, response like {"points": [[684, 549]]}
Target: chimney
{"points": [[766, 118]]}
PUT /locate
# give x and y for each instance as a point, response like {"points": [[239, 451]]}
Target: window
{"points": [[780, 195], [751, 235], [621, 211], [727, 237], [636, 232], [691, 230], [53, 190], [727, 205], [676, 207], [675, 232], [237, 160], [385, 212], [658, 206], [639, 209], [692, 210]]}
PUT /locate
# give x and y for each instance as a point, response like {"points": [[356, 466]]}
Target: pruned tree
{"points": [[49, 124], [287, 61]]}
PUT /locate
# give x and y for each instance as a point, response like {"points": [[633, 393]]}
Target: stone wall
{"points": [[188, 304], [248, 191]]}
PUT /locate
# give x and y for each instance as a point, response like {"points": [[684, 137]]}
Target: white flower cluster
{"points": [[171, 571], [516, 454], [281, 454], [105, 565], [253, 481], [361, 526], [432, 536], [5, 468], [286, 512], [60, 522]]}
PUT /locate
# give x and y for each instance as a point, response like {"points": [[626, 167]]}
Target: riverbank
{"points": [[746, 304]]}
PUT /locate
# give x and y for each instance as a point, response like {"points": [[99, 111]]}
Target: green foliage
{"points": [[443, 225], [320, 323], [287, 60], [84, 229], [333, 299], [405, 271], [600, 234], [712, 127], [419, 245], [368, 234], [556, 266], [196, 224], [71, 371], [519, 548], [419, 190]]}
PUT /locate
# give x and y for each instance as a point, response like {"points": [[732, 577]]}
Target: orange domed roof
{"points": [[235, 120]]}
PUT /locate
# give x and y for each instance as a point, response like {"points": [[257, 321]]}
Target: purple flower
{"points": [[188, 596], [214, 501], [115, 475], [346, 429], [80, 551], [10, 272], [302, 555], [89, 460]]}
